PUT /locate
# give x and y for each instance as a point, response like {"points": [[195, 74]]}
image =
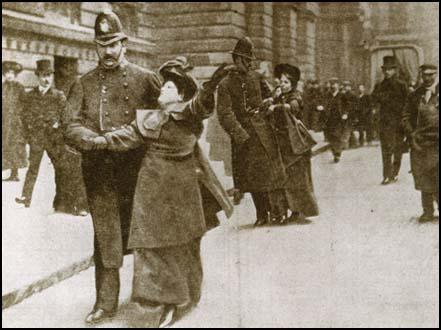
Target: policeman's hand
{"points": [[344, 117], [56, 125], [320, 108], [100, 143]]}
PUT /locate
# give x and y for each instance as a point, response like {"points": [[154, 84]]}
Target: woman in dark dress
{"points": [[295, 144], [13, 141]]}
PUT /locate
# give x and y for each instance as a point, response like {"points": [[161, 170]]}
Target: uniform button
{"points": [[104, 100], [106, 114], [198, 171], [126, 98], [126, 113], [126, 85], [124, 74]]}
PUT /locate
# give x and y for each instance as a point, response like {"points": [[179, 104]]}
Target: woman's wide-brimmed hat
{"points": [[290, 70], [174, 71], [11, 65]]}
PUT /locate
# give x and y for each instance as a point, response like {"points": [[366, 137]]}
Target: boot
{"points": [[428, 208]]}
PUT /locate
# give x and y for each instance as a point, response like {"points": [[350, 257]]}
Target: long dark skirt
{"points": [[170, 276], [298, 195]]}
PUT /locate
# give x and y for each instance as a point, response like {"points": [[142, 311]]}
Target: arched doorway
{"points": [[410, 57]]}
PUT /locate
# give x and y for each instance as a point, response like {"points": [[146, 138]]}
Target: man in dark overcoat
{"points": [[349, 104], [13, 142], [365, 124], [421, 124], [256, 159], [314, 106], [42, 107], [390, 97], [336, 119], [101, 101]]}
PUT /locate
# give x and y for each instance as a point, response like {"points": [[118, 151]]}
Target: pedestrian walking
{"points": [[295, 144], [390, 97], [336, 120], [421, 124], [314, 105], [103, 100], [365, 125], [256, 159], [13, 141], [42, 107], [176, 198], [349, 105]]}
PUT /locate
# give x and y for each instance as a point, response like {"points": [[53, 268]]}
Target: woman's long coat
{"points": [[13, 141], [177, 194]]}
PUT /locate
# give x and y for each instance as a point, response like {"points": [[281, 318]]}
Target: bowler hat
{"points": [[389, 62], [44, 66], [11, 65], [244, 47], [428, 68], [108, 29], [285, 68], [184, 81]]}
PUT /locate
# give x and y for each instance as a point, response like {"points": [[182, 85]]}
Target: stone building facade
{"points": [[325, 39], [64, 30]]}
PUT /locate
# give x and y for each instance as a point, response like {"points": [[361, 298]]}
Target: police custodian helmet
{"points": [[108, 29]]}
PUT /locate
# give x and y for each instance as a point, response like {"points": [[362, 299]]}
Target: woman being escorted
{"points": [[295, 144], [176, 198]]}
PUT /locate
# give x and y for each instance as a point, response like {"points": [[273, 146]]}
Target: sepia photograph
{"points": [[220, 165]]}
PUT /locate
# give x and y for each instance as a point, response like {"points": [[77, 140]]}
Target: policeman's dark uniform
{"points": [[256, 159], [101, 101], [365, 125], [41, 120], [390, 95]]}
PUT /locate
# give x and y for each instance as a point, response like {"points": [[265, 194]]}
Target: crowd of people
{"points": [[123, 141]]}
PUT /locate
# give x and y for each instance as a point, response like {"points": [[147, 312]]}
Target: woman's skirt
{"points": [[170, 276], [298, 195]]}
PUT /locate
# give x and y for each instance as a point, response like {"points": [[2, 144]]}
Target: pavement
{"points": [[364, 262]]}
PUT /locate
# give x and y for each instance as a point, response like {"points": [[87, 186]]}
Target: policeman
{"points": [[390, 97], [421, 124], [42, 108], [13, 142], [256, 159], [101, 101], [349, 102]]}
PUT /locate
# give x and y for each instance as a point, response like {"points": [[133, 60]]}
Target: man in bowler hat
{"points": [[390, 97], [42, 108], [104, 100], [13, 142]]}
